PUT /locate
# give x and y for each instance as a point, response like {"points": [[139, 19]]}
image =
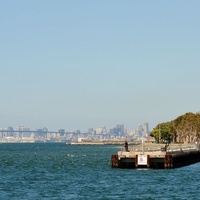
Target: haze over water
{"points": [[60, 171]]}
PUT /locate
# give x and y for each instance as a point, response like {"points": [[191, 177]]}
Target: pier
{"points": [[156, 156]]}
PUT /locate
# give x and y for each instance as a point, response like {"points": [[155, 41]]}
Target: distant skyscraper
{"points": [[22, 132], [140, 130], [120, 129], [146, 129], [61, 131], [101, 130]]}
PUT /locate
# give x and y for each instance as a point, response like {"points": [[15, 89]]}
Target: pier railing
{"points": [[161, 147]]}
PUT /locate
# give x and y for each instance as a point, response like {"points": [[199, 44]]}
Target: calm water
{"points": [[59, 171]]}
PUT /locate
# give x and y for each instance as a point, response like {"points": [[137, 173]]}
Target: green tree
{"points": [[185, 128], [163, 132]]}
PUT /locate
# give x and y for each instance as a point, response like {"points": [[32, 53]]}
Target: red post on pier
{"points": [[114, 161], [136, 161], [148, 161], [168, 163]]}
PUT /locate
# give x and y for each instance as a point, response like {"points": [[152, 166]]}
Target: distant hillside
{"points": [[183, 129]]}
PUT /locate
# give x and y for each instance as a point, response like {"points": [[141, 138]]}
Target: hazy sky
{"points": [[81, 64]]}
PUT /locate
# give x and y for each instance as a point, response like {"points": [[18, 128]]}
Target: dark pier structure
{"points": [[157, 158]]}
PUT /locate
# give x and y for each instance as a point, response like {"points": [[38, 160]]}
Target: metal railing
{"points": [[163, 147]]}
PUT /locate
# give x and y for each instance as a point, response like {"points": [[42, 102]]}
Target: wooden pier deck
{"points": [[156, 156]]}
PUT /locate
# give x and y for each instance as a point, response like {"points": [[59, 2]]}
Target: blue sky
{"points": [[81, 64]]}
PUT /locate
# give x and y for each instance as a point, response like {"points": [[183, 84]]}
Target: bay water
{"points": [[60, 171]]}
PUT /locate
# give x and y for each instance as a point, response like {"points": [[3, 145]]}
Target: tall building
{"points": [[23, 132], [146, 129], [140, 130], [61, 131], [7, 132], [118, 130], [101, 130], [10, 131]]}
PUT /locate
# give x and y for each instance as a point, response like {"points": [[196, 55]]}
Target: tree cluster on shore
{"points": [[183, 129]]}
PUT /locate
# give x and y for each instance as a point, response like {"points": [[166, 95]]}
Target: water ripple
{"points": [[58, 171]]}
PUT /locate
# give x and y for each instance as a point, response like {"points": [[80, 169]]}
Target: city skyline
{"points": [[98, 63], [120, 127], [22, 134]]}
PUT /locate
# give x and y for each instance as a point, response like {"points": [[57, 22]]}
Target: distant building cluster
{"points": [[23, 134]]}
